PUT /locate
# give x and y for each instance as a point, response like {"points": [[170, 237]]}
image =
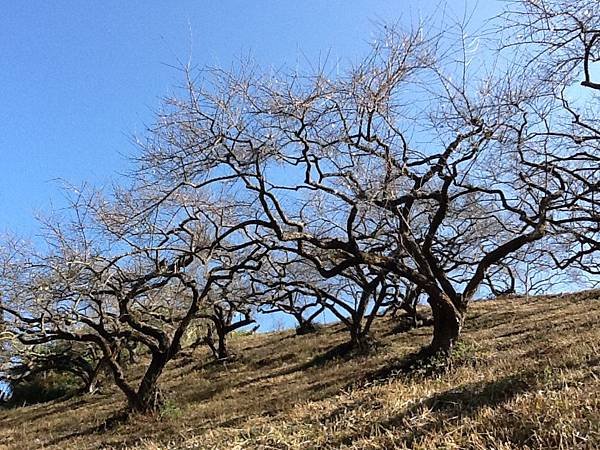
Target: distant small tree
{"points": [[280, 288], [302, 306], [227, 309], [407, 299], [354, 296]]}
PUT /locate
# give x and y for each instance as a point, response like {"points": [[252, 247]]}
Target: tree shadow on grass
{"points": [[419, 363], [206, 393], [449, 408], [343, 351], [106, 425]]}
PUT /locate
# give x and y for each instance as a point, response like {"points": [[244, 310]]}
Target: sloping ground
{"points": [[526, 375]]}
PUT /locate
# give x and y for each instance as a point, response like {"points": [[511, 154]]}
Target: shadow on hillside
{"points": [[35, 413], [406, 326], [109, 424], [206, 393], [419, 363], [340, 352], [343, 351], [449, 407]]}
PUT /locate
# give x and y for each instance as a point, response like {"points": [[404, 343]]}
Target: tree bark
{"points": [[360, 340], [93, 379], [304, 326], [223, 353], [148, 398], [448, 321]]}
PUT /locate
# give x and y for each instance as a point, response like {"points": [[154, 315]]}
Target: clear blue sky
{"points": [[79, 78]]}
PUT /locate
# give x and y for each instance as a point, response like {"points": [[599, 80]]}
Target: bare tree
{"points": [[106, 281], [562, 35], [227, 309], [303, 307], [280, 287], [407, 298], [354, 296], [417, 162], [561, 38]]}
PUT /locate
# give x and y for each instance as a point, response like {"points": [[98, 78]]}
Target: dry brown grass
{"points": [[527, 375]]}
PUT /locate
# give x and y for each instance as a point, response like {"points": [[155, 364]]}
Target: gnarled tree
{"points": [[228, 308], [106, 281], [416, 162]]}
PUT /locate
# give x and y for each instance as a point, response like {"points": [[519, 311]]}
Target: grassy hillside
{"points": [[526, 375]]}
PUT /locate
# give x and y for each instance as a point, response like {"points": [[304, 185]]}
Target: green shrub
{"points": [[170, 410], [43, 388]]}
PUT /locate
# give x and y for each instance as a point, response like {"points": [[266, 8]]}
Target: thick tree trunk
{"points": [[148, 398], [304, 326], [447, 325], [360, 340]]}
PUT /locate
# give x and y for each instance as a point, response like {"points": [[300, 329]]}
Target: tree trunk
{"points": [[91, 386], [119, 377], [148, 398], [223, 353], [304, 326], [447, 325], [209, 341], [360, 340], [93, 379]]}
